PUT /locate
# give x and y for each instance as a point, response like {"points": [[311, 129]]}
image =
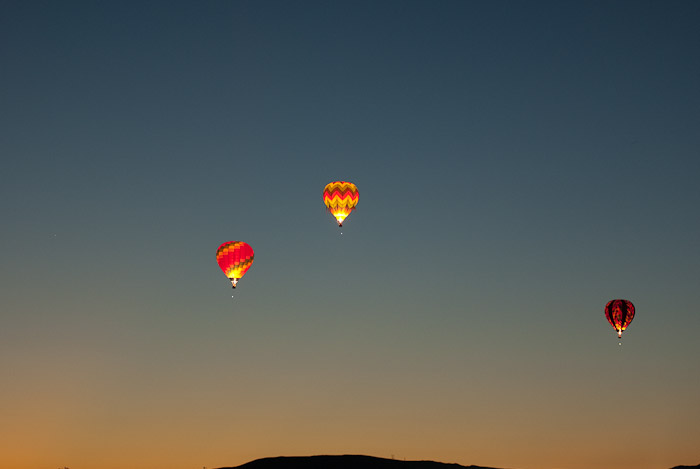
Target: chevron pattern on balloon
{"points": [[234, 259], [341, 198]]}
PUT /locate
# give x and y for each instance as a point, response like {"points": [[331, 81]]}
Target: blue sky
{"points": [[519, 165]]}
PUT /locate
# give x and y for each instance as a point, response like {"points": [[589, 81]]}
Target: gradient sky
{"points": [[519, 165]]}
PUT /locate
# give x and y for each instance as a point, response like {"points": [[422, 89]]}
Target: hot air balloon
{"points": [[340, 198], [234, 258], [619, 314]]}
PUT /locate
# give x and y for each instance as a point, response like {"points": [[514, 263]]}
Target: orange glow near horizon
{"points": [[87, 422], [529, 173]]}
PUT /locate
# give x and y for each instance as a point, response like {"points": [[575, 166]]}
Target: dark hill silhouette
{"points": [[345, 462], [349, 461]]}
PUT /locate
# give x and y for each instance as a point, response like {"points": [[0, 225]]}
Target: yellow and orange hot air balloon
{"points": [[619, 314], [234, 258], [340, 198]]}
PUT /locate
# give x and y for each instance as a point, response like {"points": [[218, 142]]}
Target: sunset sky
{"points": [[519, 164]]}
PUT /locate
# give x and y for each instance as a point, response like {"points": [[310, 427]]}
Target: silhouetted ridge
{"points": [[686, 467], [345, 462]]}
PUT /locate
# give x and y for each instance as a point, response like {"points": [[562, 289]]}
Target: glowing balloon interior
{"points": [[619, 314], [340, 198], [234, 258]]}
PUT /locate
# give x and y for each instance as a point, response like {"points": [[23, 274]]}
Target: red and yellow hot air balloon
{"points": [[619, 314], [234, 258], [340, 198]]}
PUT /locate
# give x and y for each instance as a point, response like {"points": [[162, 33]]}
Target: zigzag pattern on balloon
{"points": [[341, 198], [234, 258], [340, 193]]}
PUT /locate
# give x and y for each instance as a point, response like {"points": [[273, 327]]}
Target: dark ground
{"points": [[346, 462], [357, 462]]}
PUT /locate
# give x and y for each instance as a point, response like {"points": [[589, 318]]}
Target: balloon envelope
{"points": [[234, 258], [619, 314], [340, 198]]}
